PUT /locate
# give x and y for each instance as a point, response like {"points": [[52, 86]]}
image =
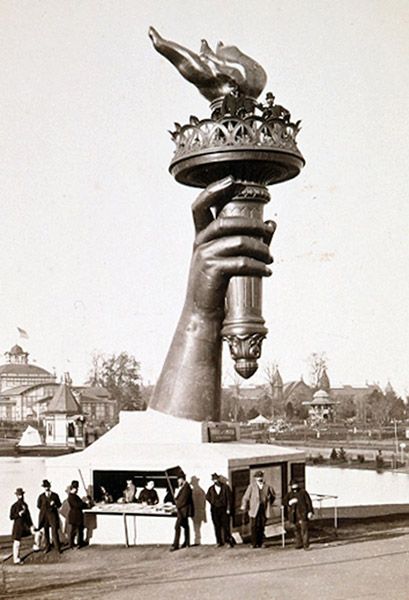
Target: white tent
{"points": [[30, 438], [259, 420]]}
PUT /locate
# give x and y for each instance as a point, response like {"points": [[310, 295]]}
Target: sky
{"points": [[96, 236]]}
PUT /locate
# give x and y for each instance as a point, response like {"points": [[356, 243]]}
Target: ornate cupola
{"points": [[16, 355]]}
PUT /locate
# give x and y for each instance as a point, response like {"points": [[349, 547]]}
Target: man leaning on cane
{"points": [[258, 499], [299, 510]]}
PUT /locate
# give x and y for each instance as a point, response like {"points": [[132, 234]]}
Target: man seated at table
{"points": [[106, 497], [129, 493], [149, 495]]}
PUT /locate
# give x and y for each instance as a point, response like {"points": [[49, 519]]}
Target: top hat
{"points": [[46, 483]]}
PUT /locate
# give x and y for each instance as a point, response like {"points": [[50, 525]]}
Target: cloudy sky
{"points": [[96, 236]]}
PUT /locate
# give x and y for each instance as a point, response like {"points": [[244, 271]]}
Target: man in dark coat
{"points": [[220, 499], [299, 511], [22, 524], [76, 516], [184, 510], [48, 503], [149, 495]]}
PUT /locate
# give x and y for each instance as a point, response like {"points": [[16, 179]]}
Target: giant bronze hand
{"points": [[189, 385], [215, 74], [251, 142]]}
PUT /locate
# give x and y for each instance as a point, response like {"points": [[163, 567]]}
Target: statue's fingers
{"points": [[225, 226], [216, 195], [154, 35], [239, 245], [244, 265]]}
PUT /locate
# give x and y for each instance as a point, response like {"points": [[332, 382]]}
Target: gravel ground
{"points": [[360, 562]]}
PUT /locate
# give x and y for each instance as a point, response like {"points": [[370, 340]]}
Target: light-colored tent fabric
{"points": [[149, 440], [30, 437], [259, 420]]}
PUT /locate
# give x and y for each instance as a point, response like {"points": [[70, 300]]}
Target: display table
{"points": [[102, 530]]}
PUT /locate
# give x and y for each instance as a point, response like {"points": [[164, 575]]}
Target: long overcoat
{"points": [[254, 496], [48, 507], [75, 515], [22, 523], [184, 501], [298, 510], [223, 499]]}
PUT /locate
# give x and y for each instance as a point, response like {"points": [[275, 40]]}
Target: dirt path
{"points": [[362, 563]]}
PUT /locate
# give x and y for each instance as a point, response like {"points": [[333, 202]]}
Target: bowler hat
{"points": [[75, 484], [215, 476], [19, 492], [259, 474], [294, 483], [46, 483]]}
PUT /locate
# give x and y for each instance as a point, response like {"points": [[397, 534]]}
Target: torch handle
{"points": [[243, 326]]}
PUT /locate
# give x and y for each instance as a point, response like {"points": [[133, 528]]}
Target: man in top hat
{"points": [[48, 504], [298, 506], [220, 499], [76, 516], [184, 510], [257, 500], [274, 111], [22, 525]]}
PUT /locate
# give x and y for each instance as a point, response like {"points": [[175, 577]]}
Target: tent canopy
{"points": [[259, 420], [30, 438]]}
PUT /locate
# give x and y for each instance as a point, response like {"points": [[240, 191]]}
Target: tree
{"points": [[386, 407], [252, 413], [397, 406], [273, 378], [379, 408], [231, 400], [346, 408], [318, 363], [289, 410], [120, 375]]}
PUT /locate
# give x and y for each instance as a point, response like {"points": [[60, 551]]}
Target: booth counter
{"points": [[138, 524]]}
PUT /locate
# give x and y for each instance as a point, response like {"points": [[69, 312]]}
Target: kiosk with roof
{"points": [[149, 445]]}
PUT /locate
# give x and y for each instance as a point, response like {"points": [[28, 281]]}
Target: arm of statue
{"points": [[189, 385]]}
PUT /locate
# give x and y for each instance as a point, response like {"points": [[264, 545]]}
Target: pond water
{"points": [[358, 487], [353, 487], [26, 472]]}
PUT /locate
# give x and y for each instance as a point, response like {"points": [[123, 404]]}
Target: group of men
{"points": [[220, 499], [257, 502], [50, 508]]}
